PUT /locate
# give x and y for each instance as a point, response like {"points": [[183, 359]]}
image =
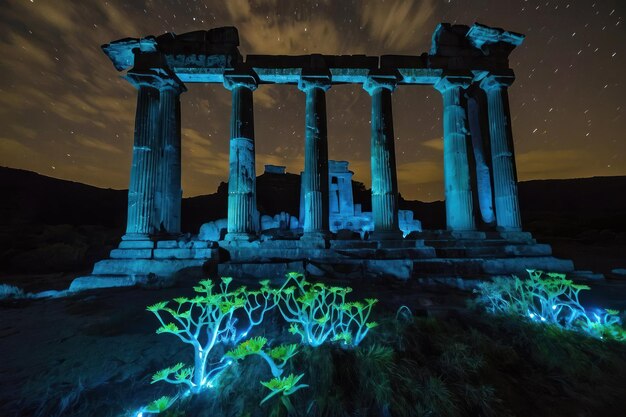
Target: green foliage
{"points": [[160, 405], [550, 298], [218, 316], [208, 320], [318, 313], [249, 347], [284, 386]]}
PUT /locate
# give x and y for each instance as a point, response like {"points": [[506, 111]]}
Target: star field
{"points": [[67, 113]]}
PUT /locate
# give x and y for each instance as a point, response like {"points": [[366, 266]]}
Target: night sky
{"points": [[66, 113]]}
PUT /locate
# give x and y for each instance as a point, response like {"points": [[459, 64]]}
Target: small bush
{"points": [[549, 298]]}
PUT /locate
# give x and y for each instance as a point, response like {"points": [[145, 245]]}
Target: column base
{"points": [[136, 236], [508, 229], [386, 235], [315, 240], [240, 237]]}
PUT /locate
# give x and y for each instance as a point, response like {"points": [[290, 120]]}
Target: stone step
{"points": [[106, 281], [129, 267], [443, 243], [476, 267], [499, 251]]}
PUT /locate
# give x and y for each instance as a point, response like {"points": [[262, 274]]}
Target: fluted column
{"points": [[383, 158], [242, 171], [458, 192], [169, 191], [315, 176], [141, 221], [502, 154], [479, 131]]}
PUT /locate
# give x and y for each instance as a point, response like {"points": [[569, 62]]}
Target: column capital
{"points": [[448, 81], [497, 81], [157, 78], [381, 79], [311, 81], [241, 77]]}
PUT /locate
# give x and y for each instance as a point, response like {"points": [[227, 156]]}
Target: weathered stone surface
{"points": [[136, 244], [521, 264], [131, 253], [213, 231], [259, 270], [93, 282]]}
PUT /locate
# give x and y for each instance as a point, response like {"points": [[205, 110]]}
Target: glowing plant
{"points": [[223, 317], [160, 405], [318, 312], [284, 386], [208, 320], [276, 357], [550, 298], [604, 324]]}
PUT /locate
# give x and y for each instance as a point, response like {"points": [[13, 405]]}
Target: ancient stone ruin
{"points": [[467, 65]]}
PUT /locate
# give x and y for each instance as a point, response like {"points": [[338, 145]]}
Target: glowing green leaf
{"points": [[249, 347], [294, 329], [371, 324], [283, 352], [168, 328], [322, 320], [160, 405], [156, 307]]}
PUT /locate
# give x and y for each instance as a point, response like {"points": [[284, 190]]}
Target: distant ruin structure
{"points": [[468, 65]]}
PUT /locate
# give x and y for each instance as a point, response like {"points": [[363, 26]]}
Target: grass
{"points": [[469, 365], [466, 363]]}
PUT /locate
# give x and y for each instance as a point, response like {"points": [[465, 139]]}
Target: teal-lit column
{"points": [[242, 171], [141, 221], [502, 154], [169, 190], [315, 176], [383, 158], [458, 191]]}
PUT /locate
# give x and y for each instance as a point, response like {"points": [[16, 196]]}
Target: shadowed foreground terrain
{"points": [[93, 354]]}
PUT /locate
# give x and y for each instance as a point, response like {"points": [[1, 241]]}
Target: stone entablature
{"points": [[203, 56]]}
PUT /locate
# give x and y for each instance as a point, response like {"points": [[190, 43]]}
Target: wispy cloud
{"points": [[398, 24]]}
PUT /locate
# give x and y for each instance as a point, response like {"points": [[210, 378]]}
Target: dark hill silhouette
{"points": [[48, 224], [31, 198]]}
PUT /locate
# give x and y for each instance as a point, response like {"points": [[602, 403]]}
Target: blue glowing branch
{"points": [[318, 312], [208, 320], [549, 298]]}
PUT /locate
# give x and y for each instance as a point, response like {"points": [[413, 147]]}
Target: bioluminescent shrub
{"points": [[215, 316], [275, 357], [550, 298], [604, 324], [319, 313], [220, 317]]}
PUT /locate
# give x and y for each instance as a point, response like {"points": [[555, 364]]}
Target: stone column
{"points": [[476, 113], [315, 176], [169, 189], [383, 158], [503, 160], [458, 192], [242, 171], [141, 222]]}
